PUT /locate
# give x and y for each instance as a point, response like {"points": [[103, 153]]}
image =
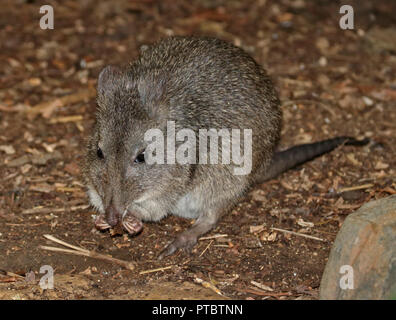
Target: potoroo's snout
{"points": [[113, 216]]}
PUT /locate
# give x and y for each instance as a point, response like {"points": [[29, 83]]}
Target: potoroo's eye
{"points": [[99, 153], [140, 158]]}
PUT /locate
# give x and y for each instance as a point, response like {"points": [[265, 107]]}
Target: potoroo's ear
{"points": [[148, 90], [108, 79], [152, 93]]}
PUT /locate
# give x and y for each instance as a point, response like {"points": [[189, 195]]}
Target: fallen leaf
{"points": [[268, 236], [8, 149]]}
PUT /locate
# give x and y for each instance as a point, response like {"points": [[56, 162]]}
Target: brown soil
{"points": [[331, 82]]}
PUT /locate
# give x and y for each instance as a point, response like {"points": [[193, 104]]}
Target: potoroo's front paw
{"points": [[131, 224]]}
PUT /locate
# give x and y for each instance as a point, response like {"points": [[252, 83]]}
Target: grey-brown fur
{"points": [[198, 83]]}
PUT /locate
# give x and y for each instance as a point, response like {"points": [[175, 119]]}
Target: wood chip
{"points": [[305, 224], [381, 165], [352, 159], [256, 229], [48, 107]]}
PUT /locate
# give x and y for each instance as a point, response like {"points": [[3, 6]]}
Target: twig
{"points": [[364, 186], [297, 234], [11, 274], [55, 210], [7, 279], [68, 189], [92, 254], [348, 206], [63, 243], [213, 237], [302, 83], [263, 293], [155, 270], [389, 190], [84, 252], [261, 286], [207, 247], [17, 108], [67, 119]]}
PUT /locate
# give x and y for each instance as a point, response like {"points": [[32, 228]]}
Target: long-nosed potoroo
{"points": [[186, 129]]}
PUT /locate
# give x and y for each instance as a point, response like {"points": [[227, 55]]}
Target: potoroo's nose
{"points": [[113, 216]]}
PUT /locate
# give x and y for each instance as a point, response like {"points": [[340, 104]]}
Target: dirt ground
{"points": [[331, 82]]}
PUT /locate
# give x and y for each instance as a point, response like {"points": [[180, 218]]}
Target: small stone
{"points": [[322, 61], [322, 44], [368, 102], [324, 80]]}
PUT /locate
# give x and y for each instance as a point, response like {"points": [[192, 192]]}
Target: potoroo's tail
{"points": [[294, 156]]}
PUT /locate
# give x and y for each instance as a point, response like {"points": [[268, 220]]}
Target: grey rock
{"points": [[366, 243]]}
